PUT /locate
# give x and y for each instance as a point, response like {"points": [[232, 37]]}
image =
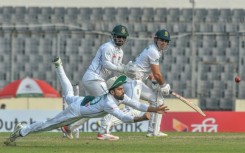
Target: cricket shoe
{"points": [[107, 137], [57, 62], [159, 134], [66, 130], [98, 123], [14, 135]]}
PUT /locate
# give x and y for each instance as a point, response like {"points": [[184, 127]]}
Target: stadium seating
{"points": [[212, 15], [75, 34], [185, 15], [148, 15], [225, 15]]}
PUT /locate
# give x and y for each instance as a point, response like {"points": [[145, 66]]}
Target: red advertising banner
{"points": [[212, 122]]}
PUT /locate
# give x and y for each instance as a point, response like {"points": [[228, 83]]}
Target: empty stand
{"points": [[212, 15], [135, 14], [39, 33], [58, 15], [218, 27], [179, 28], [173, 15], [148, 15], [122, 14], [237, 15], [200, 15], [225, 15], [160, 15], [96, 14], [71, 15], [231, 27], [109, 14], [185, 15]]}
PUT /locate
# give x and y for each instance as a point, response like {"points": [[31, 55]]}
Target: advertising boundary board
{"points": [[9, 118], [215, 121]]}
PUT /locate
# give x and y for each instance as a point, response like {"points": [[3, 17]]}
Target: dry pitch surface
{"points": [[49, 142]]}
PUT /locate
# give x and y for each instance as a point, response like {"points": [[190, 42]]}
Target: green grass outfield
{"points": [[52, 142]]}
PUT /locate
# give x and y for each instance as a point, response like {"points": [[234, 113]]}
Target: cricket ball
{"points": [[237, 79]]}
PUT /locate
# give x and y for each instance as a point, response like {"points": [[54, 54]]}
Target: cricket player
{"points": [[147, 66], [87, 107], [107, 62]]}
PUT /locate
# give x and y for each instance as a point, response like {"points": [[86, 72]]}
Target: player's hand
{"points": [[165, 89], [161, 109], [147, 115]]}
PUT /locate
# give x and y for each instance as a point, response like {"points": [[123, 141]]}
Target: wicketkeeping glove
{"points": [[130, 70]]}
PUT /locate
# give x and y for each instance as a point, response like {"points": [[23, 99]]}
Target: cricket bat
{"points": [[189, 103]]}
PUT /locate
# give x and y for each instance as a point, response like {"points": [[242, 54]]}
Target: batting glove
{"points": [[165, 89]]}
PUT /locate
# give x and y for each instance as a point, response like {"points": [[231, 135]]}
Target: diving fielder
{"points": [[86, 107], [147, 66]]}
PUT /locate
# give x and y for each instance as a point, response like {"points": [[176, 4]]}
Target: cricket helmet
{"points": [[163, 34], [119, 35], [120, 30]]}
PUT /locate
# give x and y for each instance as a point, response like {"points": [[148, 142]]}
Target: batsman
{"points": [[147, 67]]}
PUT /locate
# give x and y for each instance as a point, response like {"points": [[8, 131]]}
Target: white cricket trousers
{"points": [[69, 115], [96, 87], [136, 90]]}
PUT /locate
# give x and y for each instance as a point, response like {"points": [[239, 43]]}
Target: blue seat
{"points": [[97, 13], [227, 103], [212, 103], [109, 14], [58, 15], [237, 15], [148, 14], [135, 14], [83, 15], [70, 16], [160, 15], [173, 15], [231, 27], [200, 15], [212, 15], [225, 15], [219, 27], [185, 15], [122, 14]]}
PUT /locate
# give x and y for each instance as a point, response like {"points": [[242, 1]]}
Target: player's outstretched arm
{"points": [[144, 117], [161, 109]]}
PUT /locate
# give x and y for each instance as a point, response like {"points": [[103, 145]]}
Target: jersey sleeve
{"points": [[153, 56], [134, 104], [107, 56], [114, 110]]}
